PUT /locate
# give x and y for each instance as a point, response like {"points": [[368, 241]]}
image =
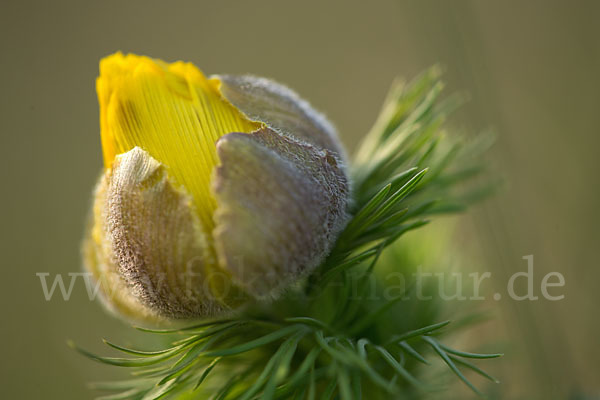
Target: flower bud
{"points": [[215, 190]]}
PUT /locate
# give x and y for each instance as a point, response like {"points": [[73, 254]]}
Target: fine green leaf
{"points": [[253, 344], [450, 363], [397, 367]]}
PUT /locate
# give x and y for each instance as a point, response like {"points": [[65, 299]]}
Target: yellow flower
{"points": [[215, 190]]}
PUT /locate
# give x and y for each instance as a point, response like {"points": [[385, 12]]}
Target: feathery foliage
{"points": [[338, 335]]}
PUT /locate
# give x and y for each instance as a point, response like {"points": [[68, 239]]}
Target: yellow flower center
{"points": [[174, 113]]}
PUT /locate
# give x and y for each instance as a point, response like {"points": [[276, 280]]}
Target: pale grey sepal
{"points": [[280, 108], [281, 205]]}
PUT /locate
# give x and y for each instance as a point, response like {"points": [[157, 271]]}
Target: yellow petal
{"points": [[171, 111]]}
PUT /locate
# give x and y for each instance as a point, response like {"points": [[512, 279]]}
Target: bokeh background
{"points": [[532, 72]]}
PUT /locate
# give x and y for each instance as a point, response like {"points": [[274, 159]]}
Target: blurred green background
{"points": [[532, 72]]}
